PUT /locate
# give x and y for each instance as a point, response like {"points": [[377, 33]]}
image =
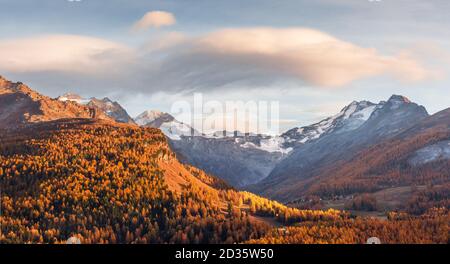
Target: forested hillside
{"points": [[108, 183]]}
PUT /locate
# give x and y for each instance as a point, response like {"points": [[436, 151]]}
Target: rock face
{"points": [[359, 126], [110, 108], [20, 105], [437, 151]]}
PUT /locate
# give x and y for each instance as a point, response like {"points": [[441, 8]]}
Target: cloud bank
{"points": [[61, 53], [154, 19], [243, 58], [269, 54]]}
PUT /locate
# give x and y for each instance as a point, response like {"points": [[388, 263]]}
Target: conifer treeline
{"points": [[399, 228]]}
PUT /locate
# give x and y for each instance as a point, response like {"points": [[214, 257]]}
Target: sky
{"points": [[312, 57]]}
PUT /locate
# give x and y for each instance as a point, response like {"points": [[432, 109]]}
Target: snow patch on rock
{"points": [[271, 144], [437, 151]]}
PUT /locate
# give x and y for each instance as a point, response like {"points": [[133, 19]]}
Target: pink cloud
{"points": [[307, 54], [154, 19]]}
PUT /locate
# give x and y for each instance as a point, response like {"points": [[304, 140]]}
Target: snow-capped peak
{"points": [[399, 98], [148, 117], [171, 127], [349, 118], [397, 101], [107, 101], [268, 144]]}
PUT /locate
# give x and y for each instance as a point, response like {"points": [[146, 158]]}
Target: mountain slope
{"points": [[290, 177], [21, 105]]}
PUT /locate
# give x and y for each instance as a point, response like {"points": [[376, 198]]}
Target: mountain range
{"points": [[304, 161], [294, 165], [317, 163], [80, 169], [313, 160], [73, 173]]}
